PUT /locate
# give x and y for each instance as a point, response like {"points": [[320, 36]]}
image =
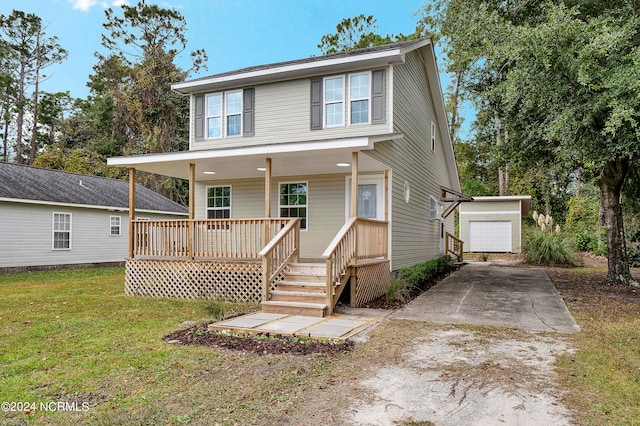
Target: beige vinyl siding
{"points": [[492, 211], [27, 235], [415, 238], [283, 114], [326, 205]]}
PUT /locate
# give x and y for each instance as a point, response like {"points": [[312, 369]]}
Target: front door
{"points": [[370, 197]]}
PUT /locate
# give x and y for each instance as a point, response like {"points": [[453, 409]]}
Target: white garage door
{"points": [[493, 236]]}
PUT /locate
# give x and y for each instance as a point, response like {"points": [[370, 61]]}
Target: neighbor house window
{"points": [[233, 112], [433, 136], [214, 115], [333, 101], [62, 231], [114, 225], [359, 94], [218, 202], [293, 201]]}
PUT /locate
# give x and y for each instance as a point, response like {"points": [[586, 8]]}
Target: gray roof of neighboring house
{"points": [[55, 186]]}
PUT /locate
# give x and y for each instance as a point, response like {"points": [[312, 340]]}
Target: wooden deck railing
{"points": [[454, 246], [358, 239], [210, 238], [282, 249]]}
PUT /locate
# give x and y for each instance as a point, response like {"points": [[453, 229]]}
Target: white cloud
{"points": [[85, 5]]}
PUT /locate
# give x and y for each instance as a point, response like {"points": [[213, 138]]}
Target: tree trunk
{"points": [[5, 144], [498, 142], [20, 118], [34, 132], [610, 183]]}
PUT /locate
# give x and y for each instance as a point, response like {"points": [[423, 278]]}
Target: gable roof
{"points": [[37, 185], [314, 65]]}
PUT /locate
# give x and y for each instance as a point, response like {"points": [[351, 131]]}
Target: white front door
{"points": [[370, 197]]}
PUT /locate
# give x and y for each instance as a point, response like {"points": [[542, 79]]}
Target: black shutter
{"points": [[199, 117], [248, 112], [378, 97], [316, 103]]}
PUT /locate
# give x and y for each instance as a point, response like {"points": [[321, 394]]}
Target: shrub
{"points": [[409, 280], [543, 248], [216, 309], [584, 241]]}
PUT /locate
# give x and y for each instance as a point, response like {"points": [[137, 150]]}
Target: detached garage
{"points": [[493, 224]]}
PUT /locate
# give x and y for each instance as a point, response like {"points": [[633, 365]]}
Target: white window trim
{"points": [[206, 202], [368, 98], [434, 214], [325, 103], [433, 137], [223, 116], [207, 116], [119, 226], [226, 113], [305, 205], [53, 231]]}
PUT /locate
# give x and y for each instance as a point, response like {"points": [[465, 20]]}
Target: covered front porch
{"points": [[258, 259]]}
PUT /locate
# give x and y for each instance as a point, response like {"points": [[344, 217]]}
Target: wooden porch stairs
{"points": [[302, 292]]}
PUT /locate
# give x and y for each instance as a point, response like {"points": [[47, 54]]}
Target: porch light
{"points": [[343, 164], [208, 173]]}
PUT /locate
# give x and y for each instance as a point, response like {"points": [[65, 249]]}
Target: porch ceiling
{"points": [[237, 163]]}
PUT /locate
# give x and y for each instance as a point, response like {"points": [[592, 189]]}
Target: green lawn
{"points": [[74, 337]]}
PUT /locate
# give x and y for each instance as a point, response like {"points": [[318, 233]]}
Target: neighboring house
{"points": [[353, 145], [54, 219], [493, 224]]}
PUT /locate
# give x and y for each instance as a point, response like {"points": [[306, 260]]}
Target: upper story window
{"points": [[333, 101], [218, 202], [224, 114], [214, 115], [61, 231], [359, 94], [234, 113], [364, 94]]}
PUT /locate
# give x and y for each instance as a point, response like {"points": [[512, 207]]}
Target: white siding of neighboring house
{"points": [[326, 210], [492, 211], [415, 238], [282, 114], [27, 235]]}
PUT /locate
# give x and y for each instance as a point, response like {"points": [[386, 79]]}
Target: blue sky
{"points": [[234, 33]]}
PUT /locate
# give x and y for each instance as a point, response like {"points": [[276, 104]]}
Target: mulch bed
{"points": [[277, 344]]}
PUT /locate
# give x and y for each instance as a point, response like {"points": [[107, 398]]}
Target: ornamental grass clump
{"points": [[547, 248]]}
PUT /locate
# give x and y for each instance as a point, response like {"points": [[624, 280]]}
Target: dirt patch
{"points": [[261, 344]]}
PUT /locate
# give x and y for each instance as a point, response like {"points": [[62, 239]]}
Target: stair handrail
{"points": [[283, 248], [339, 255], [454, 246]]}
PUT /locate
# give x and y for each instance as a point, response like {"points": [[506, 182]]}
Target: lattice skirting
{"points": [[181, 279], [372, 281]]}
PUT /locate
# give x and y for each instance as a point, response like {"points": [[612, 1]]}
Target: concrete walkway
{"points": [[493, 295]]}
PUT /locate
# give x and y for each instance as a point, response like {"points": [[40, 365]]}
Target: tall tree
{"points": [[132, 82], [359, 32], [565, 79], [27, 51]]}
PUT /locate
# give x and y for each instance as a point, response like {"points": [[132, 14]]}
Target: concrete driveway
{"points": [[494, 295]]}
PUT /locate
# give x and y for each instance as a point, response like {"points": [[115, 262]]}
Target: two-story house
{"points": [[306, 177]]}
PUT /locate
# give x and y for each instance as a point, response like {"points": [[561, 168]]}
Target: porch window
{"points": [[359, 93], [293, 201], [333, 101], [234, 113], [218, 202], [115, 225], [214, 115], [61, 231]]}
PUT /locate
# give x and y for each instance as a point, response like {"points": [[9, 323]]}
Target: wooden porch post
{"points": [[267, 201], [192, 210], [354, 184], [132, 210]]}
